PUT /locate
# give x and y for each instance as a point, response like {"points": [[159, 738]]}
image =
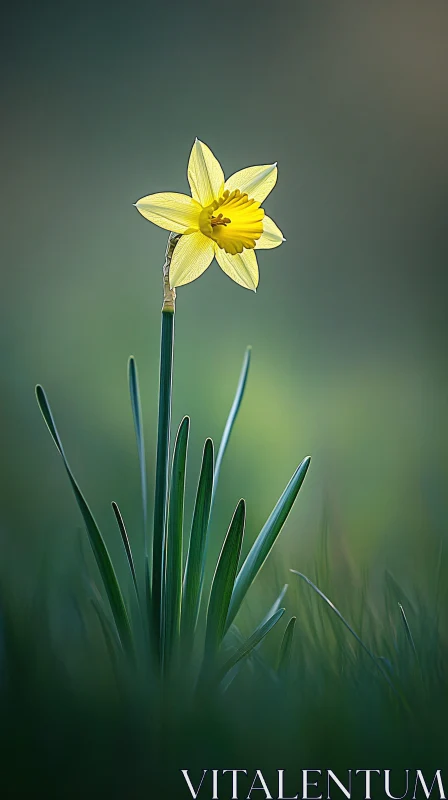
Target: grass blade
{"points": [[99, 548], [232, 417], [172, 594], [286, 648], [223, 582], [246, 648], [275, 606], [195, 565], [408, 631], [126, 544], [265, 540], [347, 625], [161, 479], [134, 392], [398, 594]]}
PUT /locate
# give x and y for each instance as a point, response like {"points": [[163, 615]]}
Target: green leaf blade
{"points": [[246, 648], [98, 545], [126, 545], [134, 392], [195, 564], [266, 540], [237, 400], [284, 659], [223, 582], [172, 593]]}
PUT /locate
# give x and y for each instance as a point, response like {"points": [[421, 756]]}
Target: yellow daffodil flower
{"points": [[222, 219]]}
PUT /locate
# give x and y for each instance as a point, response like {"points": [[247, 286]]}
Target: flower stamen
{"points": [[220, 220]]}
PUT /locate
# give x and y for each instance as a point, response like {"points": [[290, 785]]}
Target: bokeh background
{"points": [[101, 104]]}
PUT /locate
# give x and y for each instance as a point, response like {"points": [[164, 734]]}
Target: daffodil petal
{"points": [[192, 255], [256, 181], [271, 236], [174, 212], [242, 267], [205, 174]]}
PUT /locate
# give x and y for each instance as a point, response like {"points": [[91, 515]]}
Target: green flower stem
{"points": [[163, 437]]}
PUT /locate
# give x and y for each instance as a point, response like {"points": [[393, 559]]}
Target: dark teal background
{"points": [[101, 104]]}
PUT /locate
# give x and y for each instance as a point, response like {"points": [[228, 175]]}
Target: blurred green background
{"points": [[101, 104]]}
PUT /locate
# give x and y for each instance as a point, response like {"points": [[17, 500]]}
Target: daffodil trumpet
{"points": [[222, 219]]}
